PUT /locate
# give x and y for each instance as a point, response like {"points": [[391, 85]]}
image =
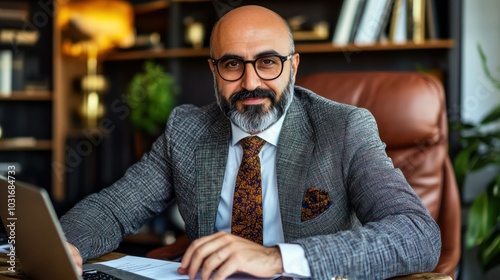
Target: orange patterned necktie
{"points": [[247, 218]]}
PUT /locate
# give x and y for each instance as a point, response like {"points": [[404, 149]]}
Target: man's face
{"points": [[252, 103], [255, 110]]}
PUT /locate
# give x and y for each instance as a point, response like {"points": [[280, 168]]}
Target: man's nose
{"points": [[250, 79]]}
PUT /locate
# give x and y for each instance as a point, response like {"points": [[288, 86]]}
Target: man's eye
{"points": [[267, 61], [232, 63]]}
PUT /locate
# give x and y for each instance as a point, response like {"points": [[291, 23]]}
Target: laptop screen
{"points": [[33, 228]]}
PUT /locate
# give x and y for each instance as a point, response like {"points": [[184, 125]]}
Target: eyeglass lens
{"points": [[267, 67]]}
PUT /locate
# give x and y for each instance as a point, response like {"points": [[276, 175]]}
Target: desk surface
{"points": [[6, 275]]}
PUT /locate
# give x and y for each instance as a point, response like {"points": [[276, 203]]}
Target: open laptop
{"points": [[39, 240]]}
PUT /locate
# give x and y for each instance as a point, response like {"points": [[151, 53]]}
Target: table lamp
{"points": [[90, 28]]}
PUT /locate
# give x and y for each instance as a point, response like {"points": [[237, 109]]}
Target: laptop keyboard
{"points": [[97, 275]]}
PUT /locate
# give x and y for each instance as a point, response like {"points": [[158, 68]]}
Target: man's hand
{"points": [[224, 254], [77, 258]]}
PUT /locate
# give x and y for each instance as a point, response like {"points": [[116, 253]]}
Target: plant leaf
{"points": [[479, 223], [461, 126], [486, 70], [151, 98], [484, 216], [489, 251], [464, 161], [493, 116]]}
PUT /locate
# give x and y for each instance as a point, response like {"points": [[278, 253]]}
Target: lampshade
{"points": [[96, 25]]}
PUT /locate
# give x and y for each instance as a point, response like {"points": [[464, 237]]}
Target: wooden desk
{"points": [[5, 275]]}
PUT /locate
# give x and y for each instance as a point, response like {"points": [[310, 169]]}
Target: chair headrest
{"points": [[408, 106]]}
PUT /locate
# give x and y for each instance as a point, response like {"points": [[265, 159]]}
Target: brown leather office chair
{"points": [[411, 115]]}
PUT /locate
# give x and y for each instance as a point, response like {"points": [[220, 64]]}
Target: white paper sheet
{"points": [[156, 269]]}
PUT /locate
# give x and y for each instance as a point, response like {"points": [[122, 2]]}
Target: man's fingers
{"points": [[199, 250], [253, 259], [77, 258], [206, 251], [222, 254], [186, 259], [213, 262], [229, 267]]}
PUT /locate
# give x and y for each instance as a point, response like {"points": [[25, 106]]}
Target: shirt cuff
{"points": [[294, 261]]}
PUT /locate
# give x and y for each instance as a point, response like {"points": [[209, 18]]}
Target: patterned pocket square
{"points": [[315, 202]]}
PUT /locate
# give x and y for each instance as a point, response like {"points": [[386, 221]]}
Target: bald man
{"points": [[331, 202]]}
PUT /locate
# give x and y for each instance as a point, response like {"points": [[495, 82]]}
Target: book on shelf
{"points": [[383, 32], [431, 27], [418, 17], [18, 71], [397, 29], [372, 21], [357, 18], [413, 20], [6, 72], [12, 72], [345, 22]]}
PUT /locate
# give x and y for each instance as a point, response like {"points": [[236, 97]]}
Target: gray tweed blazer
{"points": [[373, 227]]}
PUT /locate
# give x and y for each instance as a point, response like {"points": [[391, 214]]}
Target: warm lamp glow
{"points": [[101, 24], [89, 28]]}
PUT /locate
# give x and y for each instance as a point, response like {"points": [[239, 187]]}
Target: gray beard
{"points": [[255, 118]]}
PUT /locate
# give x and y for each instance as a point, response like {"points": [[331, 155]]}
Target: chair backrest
{"points": [[410, 111]]}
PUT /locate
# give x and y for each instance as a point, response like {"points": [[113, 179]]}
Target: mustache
{"points": [[258, 93]]}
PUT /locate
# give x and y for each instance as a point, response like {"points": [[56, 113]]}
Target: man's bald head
{"points": [[250, 18]]}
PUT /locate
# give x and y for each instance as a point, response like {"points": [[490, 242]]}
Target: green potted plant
{"points": [[151, 96], [480, 148]]}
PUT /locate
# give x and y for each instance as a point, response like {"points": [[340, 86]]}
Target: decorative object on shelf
{"points": [[151, 96], [150, 41], [195, 32], [481, 148], [91, 28], [318, 31], [19, 37]]}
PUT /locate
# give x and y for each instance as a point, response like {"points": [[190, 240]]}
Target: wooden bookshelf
{"points": [[27, 96], [300, 48], [164, 53], [384, 46], [25, 145]]}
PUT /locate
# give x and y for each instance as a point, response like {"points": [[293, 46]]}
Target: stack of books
{"points": [[16, 33], [397, 21]]}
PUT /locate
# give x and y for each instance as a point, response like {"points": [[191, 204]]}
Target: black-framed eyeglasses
{"points": [[268, 67]]}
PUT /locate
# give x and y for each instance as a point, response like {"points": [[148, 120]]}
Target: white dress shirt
{"points": [[294, 262]]}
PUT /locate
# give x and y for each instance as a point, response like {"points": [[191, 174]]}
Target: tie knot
{"points": [[252, 145]]}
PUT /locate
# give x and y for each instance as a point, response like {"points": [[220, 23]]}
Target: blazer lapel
{"points": [[211, 157], [294, 156]]}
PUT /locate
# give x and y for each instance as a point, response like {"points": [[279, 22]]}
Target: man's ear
{"points": [[295, 63], [211, 65]]}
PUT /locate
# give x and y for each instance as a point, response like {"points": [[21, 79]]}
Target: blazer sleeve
{"points": [[97, 224], [397, 235]]}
